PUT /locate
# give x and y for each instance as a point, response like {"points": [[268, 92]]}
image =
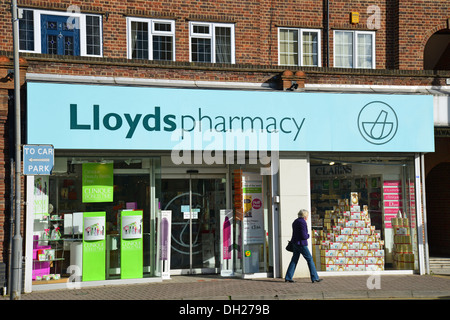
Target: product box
{"points": [[374, 267], [365, 231], [328, 253], [340, 260], [325, 244], [340, 253], [370, 260], [335, 245], [341, 238], [350, 267], [355, 215], [402, 231], [353, 245], [360, 253], [360, 223], [350, 253], [350, 224], [340, 267], [360, 267], [330, 267], [346, 230], [360, 238], [374, 245], [364, 246]]}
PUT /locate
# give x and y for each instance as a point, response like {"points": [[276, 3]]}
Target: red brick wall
{"points": [[405, 26]]}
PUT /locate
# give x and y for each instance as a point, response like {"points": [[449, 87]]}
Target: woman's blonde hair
{"points": [[303, 213]]}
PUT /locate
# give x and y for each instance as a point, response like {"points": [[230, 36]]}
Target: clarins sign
{"points": [[71, 116]]}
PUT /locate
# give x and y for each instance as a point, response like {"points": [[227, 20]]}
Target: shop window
{"points": [[354, 49], [95, 218], [151, 39], [60, 33], [299, 47], [211, 42], [363, 213]]}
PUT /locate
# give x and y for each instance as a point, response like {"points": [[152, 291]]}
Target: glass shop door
{"points": [[195, 201]]}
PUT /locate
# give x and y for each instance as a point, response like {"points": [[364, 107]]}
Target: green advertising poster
{"points": [[131, 254], [97, 182], [94, 246]]}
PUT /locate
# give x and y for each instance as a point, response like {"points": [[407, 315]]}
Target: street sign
{"points": [[38, 159]]}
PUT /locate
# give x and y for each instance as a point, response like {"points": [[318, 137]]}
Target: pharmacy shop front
{"points": [[150, 182]]}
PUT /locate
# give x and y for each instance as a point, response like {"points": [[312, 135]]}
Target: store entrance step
{"points": [[440, 265]]}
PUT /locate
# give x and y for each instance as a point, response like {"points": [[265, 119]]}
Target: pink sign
{"points": [[392, 197], [392, 183], [393, 204]]}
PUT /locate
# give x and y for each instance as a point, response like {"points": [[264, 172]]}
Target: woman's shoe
{"points": [[289, 280], [318, 280]]}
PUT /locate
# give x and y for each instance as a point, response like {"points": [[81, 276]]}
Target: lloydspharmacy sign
{"points": [[157, 121], [70, 116]]}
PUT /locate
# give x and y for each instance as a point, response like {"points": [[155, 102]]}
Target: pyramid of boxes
{"points": [[348, 241], [402, 250]]}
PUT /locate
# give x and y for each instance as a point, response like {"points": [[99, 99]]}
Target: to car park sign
{"points": [[38, 159]]}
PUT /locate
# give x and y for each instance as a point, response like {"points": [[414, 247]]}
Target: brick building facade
{"points": [[400, 31]]}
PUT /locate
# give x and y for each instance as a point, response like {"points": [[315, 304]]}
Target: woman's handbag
{"points": [[290, 246]]}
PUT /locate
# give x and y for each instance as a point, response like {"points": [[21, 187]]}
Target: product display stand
{"points": [[348, 241]]}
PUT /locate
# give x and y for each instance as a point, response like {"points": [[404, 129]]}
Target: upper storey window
{"points": [[62, 33], [211, 42], [299, 47], [354, 49], [151, 39]]}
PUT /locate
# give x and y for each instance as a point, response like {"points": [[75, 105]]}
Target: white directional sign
{"points": [[38, 159]]}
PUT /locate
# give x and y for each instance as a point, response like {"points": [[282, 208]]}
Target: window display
{"points": [[78, 214], [363, 212]]}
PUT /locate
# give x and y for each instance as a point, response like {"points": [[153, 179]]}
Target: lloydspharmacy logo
{"points": [[377, 122]]}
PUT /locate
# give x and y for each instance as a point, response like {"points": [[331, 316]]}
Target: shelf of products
{"points": [[49, 248]]}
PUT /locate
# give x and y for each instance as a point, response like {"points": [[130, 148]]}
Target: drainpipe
{"points": [[328, 33]]}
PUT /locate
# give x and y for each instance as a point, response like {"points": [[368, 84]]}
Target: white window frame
{"points": [[151, 32], [211, 35], [82, 26], [300, 46], [355, 48]]}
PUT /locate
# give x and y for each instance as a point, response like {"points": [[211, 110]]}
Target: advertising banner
{"points": [[94, 246], [165, 242], [226, 237], [253, 210], [131, 244], [97, 182], [41, 190]]}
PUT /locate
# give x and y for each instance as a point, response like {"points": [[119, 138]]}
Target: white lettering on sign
{"points": [[37, 169]]}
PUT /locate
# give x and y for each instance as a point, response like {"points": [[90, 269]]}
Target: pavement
{"points": [[213, 296], [214, 287]]}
